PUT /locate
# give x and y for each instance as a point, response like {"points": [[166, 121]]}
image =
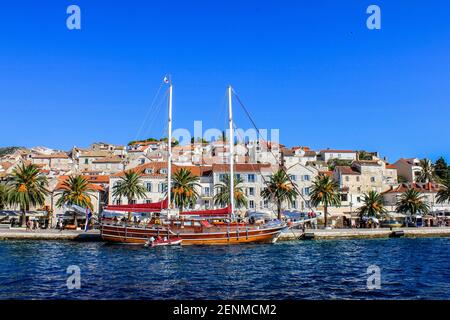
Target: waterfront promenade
{"points": [[50, 234], [312, 234], [321, 234]]}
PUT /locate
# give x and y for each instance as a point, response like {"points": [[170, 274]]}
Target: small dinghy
{"points": [[163, 242]]}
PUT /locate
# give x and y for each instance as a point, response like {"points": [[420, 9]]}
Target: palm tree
{"points": [[130, 187], [443, 194], [279, 188], [427, 174], [222, 196], [75, 191], [28, 187], [184, 191], [411, 202], [3, 195], [373, 205], [325, 191]]}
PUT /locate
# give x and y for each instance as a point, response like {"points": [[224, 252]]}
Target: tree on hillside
{"points": [[333, 163], [364, 155], [441, 169]]}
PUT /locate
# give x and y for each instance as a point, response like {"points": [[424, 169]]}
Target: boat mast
{"points": [[231, 144], [169, 142]]}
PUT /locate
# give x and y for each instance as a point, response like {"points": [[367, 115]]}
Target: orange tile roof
{"points": [[6, 165], [113, 159], [347, 170], [421, 187], [60, 155], [327, 173]]}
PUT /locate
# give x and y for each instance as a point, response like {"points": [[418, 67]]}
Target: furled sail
{"points": [[217, 212], [144, 207]]}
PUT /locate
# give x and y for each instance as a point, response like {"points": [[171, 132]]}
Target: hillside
{"points": [[8, 150]]}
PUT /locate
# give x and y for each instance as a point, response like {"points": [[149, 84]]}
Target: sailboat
{"points": [[205, 227]]}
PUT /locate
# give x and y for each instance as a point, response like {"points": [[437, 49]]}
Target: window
{"points": [[293, 177], [359, 189], [149, 187], [132, 202], [306, 177], [358, 199], [251, 178], [162, 187], [206, 191], [148, 171], [347, 178], [118, 202], [294, 204], [266, 204], [306, 191], [86, 161], [148, 201], [251, 191], [222, 177], [251, 204], [142, 161], [238, 176], [372, 179], [164, 171], [207, 204], [344, 197], [357, 179]]}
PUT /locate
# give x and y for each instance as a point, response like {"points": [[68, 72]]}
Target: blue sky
{"points": [[310, 68]]}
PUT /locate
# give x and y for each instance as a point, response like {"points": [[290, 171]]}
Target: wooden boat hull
{"points": [[133, 235]]}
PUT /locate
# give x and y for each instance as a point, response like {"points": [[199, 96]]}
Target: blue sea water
{"points": [[410, 269]]}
